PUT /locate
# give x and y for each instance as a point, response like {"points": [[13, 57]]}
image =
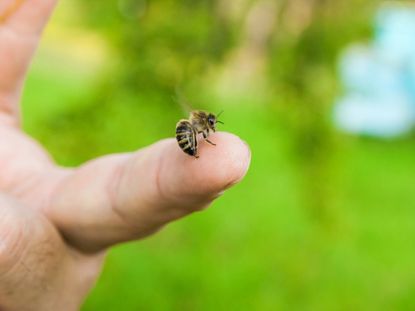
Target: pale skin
{"points": [[57, 223]]}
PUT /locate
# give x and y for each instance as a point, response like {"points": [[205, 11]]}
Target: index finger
{"points": [[25, 17]]}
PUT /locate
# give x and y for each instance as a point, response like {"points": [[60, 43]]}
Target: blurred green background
{"points": [[323, 221]]}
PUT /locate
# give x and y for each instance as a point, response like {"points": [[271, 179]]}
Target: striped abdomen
{"points": [[187, 137]]}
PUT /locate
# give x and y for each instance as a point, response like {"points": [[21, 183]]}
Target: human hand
{"points": [[56, 223]]}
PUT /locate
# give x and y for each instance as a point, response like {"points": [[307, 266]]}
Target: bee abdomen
{"points": [[186, 137]]}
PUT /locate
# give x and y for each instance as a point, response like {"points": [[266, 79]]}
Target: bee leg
{"points": [[213, 144], [205, 136]]}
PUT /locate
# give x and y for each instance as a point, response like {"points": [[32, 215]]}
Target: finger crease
{"points": [[113, 188], [162, 196]]}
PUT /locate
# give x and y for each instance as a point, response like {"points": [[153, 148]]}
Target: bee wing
{"points": [[181, 100]]}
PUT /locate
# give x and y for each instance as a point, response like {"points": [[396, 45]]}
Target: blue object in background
{"points": [[382, 116], [410, 79], [363, 71], [379, 79], [395, 33]]}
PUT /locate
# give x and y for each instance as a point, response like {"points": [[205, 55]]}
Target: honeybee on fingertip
{"points": [[187, 130]]}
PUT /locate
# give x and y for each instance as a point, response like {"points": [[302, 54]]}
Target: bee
{"points": [[199, 122]]}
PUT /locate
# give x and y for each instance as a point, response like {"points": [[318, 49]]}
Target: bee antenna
{"points": [[219, 114], [219, 122]]}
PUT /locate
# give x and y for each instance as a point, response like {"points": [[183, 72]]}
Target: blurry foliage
{"points": [[303, 54], [160, 44]]}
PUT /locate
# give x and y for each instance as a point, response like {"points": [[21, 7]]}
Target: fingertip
{"points": [[228, 162], [218, 167]]}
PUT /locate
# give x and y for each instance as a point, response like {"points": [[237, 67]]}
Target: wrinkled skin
{"points": [[56, 223]]}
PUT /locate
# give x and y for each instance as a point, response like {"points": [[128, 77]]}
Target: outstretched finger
{"points": [[25, 17], [125, 197], [21, 23]]}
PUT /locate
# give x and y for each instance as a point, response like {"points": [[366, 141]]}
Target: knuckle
{"points": [[14, 233], [11, 246]]}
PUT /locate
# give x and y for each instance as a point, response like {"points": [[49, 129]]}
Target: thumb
{"points": [[124, 197]]}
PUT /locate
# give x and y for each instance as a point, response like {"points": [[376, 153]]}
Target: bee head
{"points": [[212, 120]]}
